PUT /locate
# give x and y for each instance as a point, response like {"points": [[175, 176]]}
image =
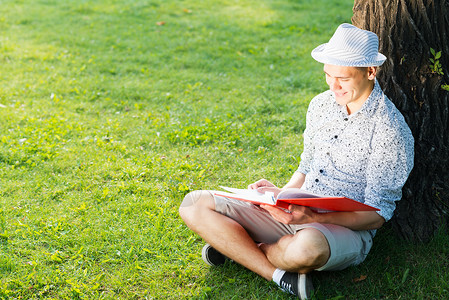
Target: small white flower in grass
{"points": [[21, 141]]}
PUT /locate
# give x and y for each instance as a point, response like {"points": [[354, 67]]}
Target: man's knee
{"points": [[308, 249], [193, 203]]}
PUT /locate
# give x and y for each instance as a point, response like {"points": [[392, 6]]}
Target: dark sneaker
{"points": [[297, 284], [212, 257]]}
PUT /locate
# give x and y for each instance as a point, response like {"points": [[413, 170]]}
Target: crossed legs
{"points": [[301, 252]]}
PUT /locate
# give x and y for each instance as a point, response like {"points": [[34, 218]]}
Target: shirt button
{"points": [[345, 119], [336, 137], [317, 180], [321, 171]]}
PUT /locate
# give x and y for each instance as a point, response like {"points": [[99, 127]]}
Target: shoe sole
{"points": [[205, 256], [305, 286]]}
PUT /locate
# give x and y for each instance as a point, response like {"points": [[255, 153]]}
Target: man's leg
{"points": [[223, 233], [301, 252]]}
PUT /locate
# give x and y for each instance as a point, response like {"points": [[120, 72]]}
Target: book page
{"points": [[245, 192], [249, 195], [294, 193]]}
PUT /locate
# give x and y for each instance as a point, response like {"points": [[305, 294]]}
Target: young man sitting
{"points": [[356, 145]]}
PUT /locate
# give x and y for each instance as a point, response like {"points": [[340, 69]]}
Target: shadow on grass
{"points": [[232, 281], [394, 269]]}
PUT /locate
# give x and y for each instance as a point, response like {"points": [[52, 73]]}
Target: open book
{"points": [[298, 197]]}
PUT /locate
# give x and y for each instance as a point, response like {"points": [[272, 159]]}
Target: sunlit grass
{"points": [[111, 111]]}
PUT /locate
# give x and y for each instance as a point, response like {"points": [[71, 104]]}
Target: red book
{"points": [[296, 196]]}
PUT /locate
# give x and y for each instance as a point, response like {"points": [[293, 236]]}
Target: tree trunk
{"points": [[407, 31]]}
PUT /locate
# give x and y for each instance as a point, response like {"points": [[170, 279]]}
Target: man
{"points": [[356, 144]]}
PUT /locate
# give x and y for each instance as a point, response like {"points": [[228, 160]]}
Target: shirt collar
{"points": [[369, 107]]}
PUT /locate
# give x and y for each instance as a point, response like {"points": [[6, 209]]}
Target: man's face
{"points": [[351, 86]]}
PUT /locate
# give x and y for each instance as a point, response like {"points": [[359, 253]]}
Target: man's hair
{"points": [[362, 69]]}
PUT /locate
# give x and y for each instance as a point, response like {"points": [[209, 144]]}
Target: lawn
{"points": [[111, 111]]}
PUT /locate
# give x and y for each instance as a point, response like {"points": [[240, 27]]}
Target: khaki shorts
{"points": [[347, 247]]}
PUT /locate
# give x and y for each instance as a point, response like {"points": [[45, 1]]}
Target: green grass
{"points": [[111, 111]]}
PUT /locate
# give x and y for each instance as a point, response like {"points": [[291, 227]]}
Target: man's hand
{"points": [[263, 186], [355, 220], [296, 214]]}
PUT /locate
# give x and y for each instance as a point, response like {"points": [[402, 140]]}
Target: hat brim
{"points": [[323, 55]]}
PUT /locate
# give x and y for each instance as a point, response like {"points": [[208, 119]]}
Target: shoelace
{"points": [[287, 286]]}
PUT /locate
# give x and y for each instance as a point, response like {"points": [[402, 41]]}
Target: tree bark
{"points": [[407, 29]]}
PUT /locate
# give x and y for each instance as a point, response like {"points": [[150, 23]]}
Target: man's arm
{"points": [[360, 220], [296, 181], [357, 220]]}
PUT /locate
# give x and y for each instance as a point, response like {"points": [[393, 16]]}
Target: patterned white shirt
{"points": [[366, 156]]}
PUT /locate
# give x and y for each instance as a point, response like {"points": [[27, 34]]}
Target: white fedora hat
{"points": [[351, 47]]}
